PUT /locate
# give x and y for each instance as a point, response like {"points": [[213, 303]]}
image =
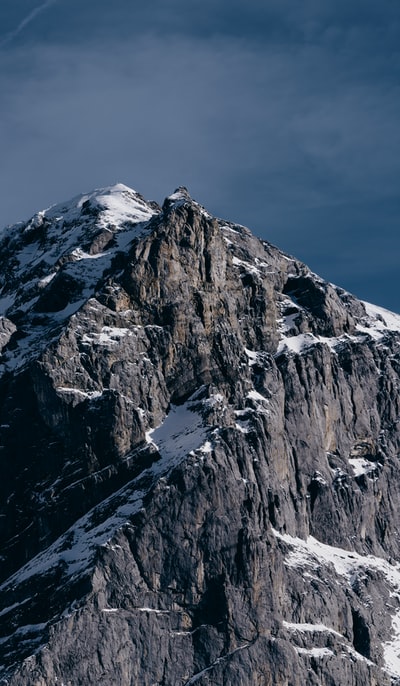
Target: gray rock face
{"points": [[199, 449]]}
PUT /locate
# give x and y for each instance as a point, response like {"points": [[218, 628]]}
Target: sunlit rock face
{"points": [[199, 445]]}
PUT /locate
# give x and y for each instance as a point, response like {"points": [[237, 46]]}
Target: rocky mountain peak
{"points": [[199, 444], [180, 195]]}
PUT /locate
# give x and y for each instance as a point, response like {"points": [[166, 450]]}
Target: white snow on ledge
{"points": [[296, 344], [312, 553], [303, 341], [181, 433], [315, 652], [381, 319], [78, 394], [109, 335], [252, 356], [310, 628], [361, 466]]}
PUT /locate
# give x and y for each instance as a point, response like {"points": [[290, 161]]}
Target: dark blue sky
{"points": [[281, 115]]}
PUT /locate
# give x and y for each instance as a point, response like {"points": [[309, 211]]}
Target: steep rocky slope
{"points": [[199, 453]]}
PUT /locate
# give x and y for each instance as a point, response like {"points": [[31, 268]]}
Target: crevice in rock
{"points": [[361, 637]]}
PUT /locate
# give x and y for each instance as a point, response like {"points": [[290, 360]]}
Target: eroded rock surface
{"points": [[199, 451]]}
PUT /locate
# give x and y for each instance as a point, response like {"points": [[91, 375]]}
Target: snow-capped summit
{"points": [[118, 205], [54, 261]]}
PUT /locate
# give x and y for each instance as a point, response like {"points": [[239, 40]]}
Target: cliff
{"points": [[199, 452]]}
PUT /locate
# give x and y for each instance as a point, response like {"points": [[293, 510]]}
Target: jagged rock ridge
{"points": [[199, 444]]}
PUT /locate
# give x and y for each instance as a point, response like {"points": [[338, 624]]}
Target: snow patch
{"points": [[243, 426], [79, 254], [255, 395], [226, 227], [250, 268], [109, 335], [252, 355], [361, 466], [206, 448], [382, 319], [181, 432], [310, 628], [215, 399], [391, 649], [296, 344], [288, 322], [318, 653], [84, 395], [181, 196], [46, 279], [119, 204]]}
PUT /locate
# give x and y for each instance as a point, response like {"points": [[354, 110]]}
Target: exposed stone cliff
{"points": [[199, 456]]}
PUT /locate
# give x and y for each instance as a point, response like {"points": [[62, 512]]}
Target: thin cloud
{"points": [[26, 21]]}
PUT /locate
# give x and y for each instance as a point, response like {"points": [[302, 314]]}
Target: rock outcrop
{"points": [[199, 444]]}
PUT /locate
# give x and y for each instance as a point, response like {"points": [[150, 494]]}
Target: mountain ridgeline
{"points": [[199, 446]]}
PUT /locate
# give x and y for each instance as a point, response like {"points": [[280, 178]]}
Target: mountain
{"points": [[199, 445]]}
